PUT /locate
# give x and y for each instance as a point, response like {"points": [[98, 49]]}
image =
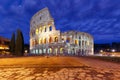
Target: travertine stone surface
{"points": [[84, 73], [45, 39]]}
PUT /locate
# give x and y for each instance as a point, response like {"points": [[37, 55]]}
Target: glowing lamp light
{"points": [[101, 51], [26, 51], [113, 50]]}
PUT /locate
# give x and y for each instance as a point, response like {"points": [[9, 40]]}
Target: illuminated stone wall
{"points": [[45, 39], [78, 43]]}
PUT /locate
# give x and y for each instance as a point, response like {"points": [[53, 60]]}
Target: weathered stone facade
{"points": [[45, 39]]}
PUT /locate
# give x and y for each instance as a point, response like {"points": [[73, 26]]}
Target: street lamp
{"points": [[101, 51], [113, 50]]}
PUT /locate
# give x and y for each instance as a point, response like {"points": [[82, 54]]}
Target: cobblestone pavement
{"points": [[81, 73], [89, 69]]}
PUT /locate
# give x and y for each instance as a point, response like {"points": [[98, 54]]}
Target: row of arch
{"points": [[44, 41], [60, 51], [55, 39], [48, 51], [44, 29], [39, 30]]}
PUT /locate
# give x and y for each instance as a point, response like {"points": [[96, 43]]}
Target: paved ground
{"points": [[57, 68]]}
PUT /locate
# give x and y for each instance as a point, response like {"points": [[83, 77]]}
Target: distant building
{"points": [[45, 39], [116, 46], [102, 47], [4, 44]]}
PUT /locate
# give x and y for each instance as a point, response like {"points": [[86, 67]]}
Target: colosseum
{"points": [[46, 40]]}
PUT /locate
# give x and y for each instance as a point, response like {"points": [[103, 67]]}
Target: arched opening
{"points": [[50, 39], [33, 51], [69, 51], [68, 40], [85, 43], [61, 50], [79, 43], [56, 50], [31, 33], [40, 51], [79, 37], [37, 31], [50, 28], [33, 43], [44, 40], [40, 41], [73, 51], [56, 39], [40, 29], [82, 43], [62, 39], [36, 42], [44, 51], [45, 29], [36, 51], [49, 50], [76, 42], [88, 43]]}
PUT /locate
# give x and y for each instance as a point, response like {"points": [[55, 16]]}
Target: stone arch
{"points": [[31, 33], [68, 51], [45, 29], [40, 29], [36, 51], [50, 28], [82, 42], [68, 39], [40, 41], [44, 40], [49, 50], [37, 31], [33, 43], [79, 37], [50, 39], [79, 42], [36, 41], [56, 51], [56, 39], [44, 50], [76, 41], [62, 39], [61, 50], [40, 51]]}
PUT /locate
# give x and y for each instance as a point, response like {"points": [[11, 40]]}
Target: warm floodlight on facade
{"points": [[45, 39]]}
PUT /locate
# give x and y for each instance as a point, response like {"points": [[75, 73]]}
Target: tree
{"points": [[19, 46], [12, 44]]}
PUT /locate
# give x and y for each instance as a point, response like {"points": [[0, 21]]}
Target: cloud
{"points": [[97, 17]]}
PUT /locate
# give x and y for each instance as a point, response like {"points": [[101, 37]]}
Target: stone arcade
{"points": [[45, 39]]}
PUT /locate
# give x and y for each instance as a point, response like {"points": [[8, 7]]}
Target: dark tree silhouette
{"points": [[12, 44], [19, 46]]}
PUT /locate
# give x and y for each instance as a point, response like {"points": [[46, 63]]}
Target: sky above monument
{"points": [[100, 18]]}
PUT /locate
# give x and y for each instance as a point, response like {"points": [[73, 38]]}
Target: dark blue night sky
{"points": [[101, 18]]}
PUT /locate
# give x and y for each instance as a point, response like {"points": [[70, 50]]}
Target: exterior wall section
{"points": [[46, 40]]}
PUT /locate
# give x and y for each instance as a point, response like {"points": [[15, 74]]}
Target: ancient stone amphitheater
{"points": [[46, 40]]}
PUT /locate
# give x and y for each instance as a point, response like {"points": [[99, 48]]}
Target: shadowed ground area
{"points": [[57, 68]]}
